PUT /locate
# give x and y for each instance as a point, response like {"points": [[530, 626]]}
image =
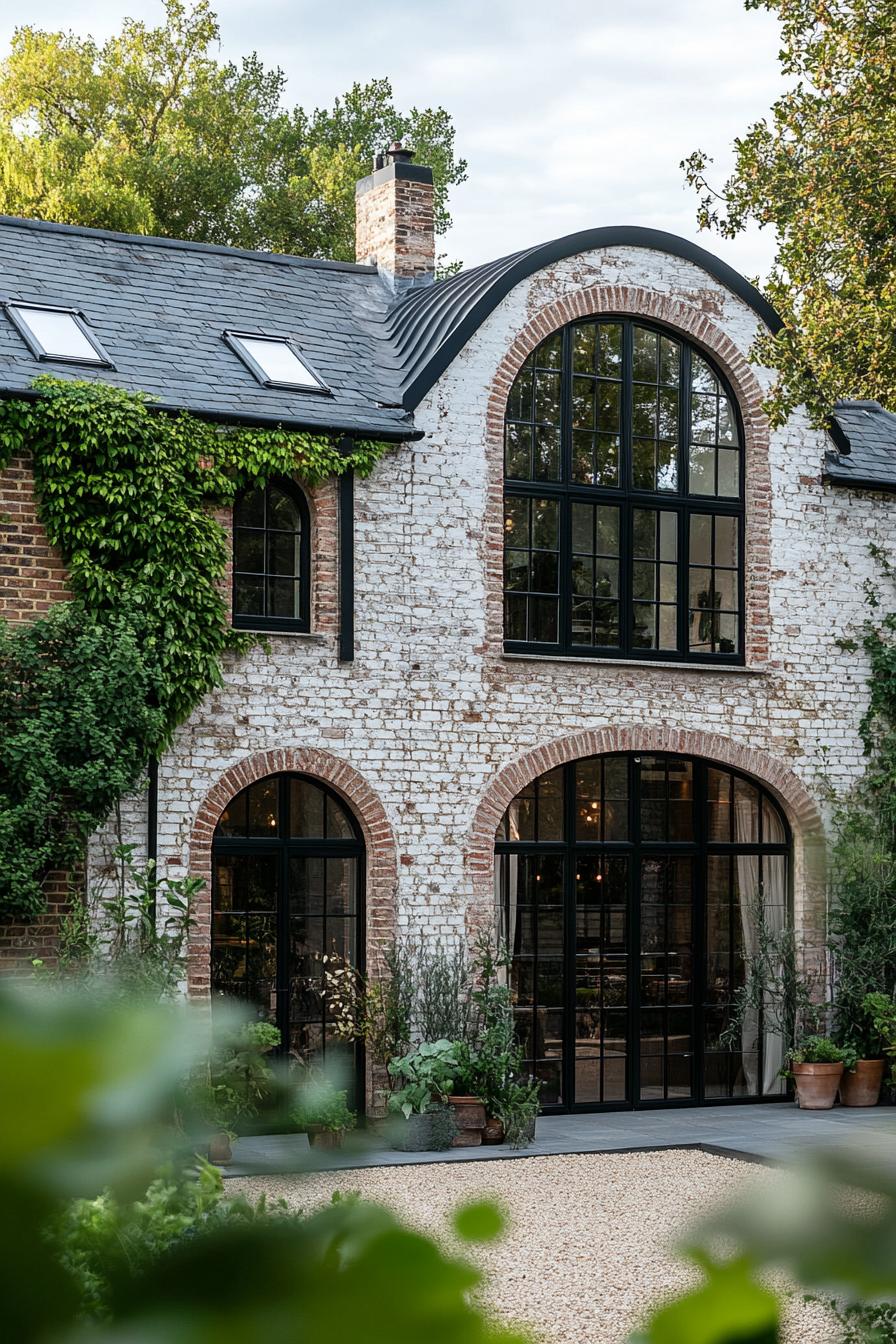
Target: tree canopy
{"points": [[149, 133], [821, 171]]}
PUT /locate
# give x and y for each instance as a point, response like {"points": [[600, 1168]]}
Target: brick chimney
{"points": [[394, 227]]}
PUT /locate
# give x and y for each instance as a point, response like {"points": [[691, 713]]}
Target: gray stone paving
{"points": [[773, 1133]]}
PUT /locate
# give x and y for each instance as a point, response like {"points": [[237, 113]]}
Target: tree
{"points": [[148, 133], [821, 171]]}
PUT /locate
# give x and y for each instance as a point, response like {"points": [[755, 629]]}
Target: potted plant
{"points": [[323, 1114], [422, 1082], [816, 1066], [873, 1036], [518, 1111], [230, 1086]]}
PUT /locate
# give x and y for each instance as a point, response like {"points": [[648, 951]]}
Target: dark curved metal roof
{"points": [[428, 327]]}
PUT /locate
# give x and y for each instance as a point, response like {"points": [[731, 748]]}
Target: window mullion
{"points": [[626, 539]]}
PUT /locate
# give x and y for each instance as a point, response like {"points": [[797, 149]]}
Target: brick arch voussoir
{"points": [[366, 807], [692, 322]]}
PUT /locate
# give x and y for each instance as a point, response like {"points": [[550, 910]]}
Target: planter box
{"points": [[325, 1138], [861, 1086], [432, 1132], [469, 1116], [816, 1085]]}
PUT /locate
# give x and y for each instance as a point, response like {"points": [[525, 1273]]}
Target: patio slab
{"points": [[769, 1133]]}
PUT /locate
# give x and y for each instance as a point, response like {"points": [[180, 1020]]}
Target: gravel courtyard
{"points": [[588, 1245]]}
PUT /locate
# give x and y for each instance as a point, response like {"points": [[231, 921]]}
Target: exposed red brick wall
{"points": [[20, 944], [395, 225], [32, 575], [607, 300]]}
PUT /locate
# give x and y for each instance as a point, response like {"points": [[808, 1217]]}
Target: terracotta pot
{"points": [[219, 1149], [861, 1086], [469, 1116], [816, 1085], [494, 1130]]}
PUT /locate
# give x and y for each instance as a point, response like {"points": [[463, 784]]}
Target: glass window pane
{"points": [[306, 809], [263, 808], [644, 357], [249, 510], [729, 472], [610, 350], [59, 334], [283, 511], [278, 362], [248, 551]]}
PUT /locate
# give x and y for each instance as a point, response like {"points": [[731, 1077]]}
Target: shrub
{"points": [[425, 1077], [822, 1050], [323, 1106]]}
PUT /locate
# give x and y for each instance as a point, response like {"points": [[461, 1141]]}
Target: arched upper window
{"points": [[624, 486], [271, 558]]}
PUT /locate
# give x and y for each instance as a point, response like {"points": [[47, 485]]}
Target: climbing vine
{"points": [[92, 691], [863, 914]]}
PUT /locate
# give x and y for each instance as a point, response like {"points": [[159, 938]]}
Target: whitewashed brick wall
{"points": [[428, 718]]}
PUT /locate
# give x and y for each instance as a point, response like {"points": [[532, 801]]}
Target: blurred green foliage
{"points": [[829, 1224], [96, 1245]]}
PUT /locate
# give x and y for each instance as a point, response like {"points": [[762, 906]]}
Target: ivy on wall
{"points": [[92, 691]]}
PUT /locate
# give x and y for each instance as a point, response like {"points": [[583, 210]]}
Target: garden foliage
{"points": [[149, 133], [819, 172], [92, 692], [96, 1242]]}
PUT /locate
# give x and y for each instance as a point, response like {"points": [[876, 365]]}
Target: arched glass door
{"points": [[286, 890], [630, 890]]}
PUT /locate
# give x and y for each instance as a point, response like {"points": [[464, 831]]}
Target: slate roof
{"points": [[864, 452], [159, 307]]}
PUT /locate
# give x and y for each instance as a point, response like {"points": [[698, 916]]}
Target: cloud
{"points": [[572, 113]]}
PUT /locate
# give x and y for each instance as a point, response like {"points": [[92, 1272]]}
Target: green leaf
{"points": [[481, 1220]]}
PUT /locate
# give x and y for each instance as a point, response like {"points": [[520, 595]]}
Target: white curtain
{"points": [[774, 907]]}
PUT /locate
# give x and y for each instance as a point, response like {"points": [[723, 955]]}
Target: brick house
{"points": [[568, 655]]}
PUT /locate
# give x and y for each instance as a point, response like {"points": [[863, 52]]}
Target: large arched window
{"points": [[286, 891], [271, 558], [623, 528], [630, 890]]}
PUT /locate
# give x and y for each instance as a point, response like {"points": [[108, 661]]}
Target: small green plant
{"points": [[423, 1078], [322, 1105], [234, 1082], [777, 990], [822, 1050], [518, 1111], [881, 1010]]}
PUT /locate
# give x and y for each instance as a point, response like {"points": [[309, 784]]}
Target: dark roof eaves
{"points": [[184, 245], [545, 254], [352, 430]]}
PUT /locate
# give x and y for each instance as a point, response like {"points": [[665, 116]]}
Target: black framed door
{"points": [[630, 889], [287, 890]]}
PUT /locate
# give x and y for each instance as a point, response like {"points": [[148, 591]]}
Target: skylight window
{"points": [[57, 333], [275, 361]]}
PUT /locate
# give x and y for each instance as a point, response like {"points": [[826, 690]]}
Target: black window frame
{"points": [[16, 310], [235, 340], [627, 498], [300, 624], [280, 847], [701, 848]]}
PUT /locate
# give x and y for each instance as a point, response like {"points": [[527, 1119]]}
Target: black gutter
{"points": [[247, 418], [860, 483]]}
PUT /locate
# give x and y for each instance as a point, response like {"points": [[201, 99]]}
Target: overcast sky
{"points": [[572, 113]]}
